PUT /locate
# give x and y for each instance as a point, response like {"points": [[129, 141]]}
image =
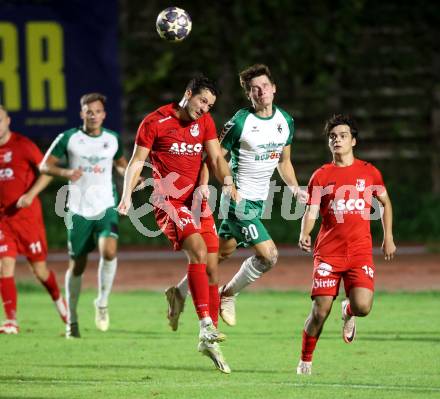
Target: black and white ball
{"points": [[173, 24]]}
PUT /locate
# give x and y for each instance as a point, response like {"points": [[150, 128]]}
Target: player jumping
{"points": [[174, 137]]}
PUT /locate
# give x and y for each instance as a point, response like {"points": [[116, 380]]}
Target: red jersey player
{"points": [[21, 221], [342, 192], [175, 137]]}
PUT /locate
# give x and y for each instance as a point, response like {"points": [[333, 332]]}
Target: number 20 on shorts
{"points": [[250, 232]]}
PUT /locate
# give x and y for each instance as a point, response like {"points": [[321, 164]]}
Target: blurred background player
{"points": [[175, 137], [91, 152], [21, 220], [342, 192], [259, 140]]}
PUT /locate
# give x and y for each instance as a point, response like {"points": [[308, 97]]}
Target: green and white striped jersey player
{"points": [[259, 141], [91, 152]]}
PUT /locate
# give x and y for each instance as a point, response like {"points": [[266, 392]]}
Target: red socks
{"points": [[9, 296], [214, 303], [308, 346], [348, 310], [198, 286], [52, 286]]}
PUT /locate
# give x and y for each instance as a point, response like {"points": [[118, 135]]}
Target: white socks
{"points": [[247, 274], [73, 288], [183, 287], [106, 275], [206, 321]]}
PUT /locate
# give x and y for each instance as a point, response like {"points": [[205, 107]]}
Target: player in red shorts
{"points": [[21, 220], [342, 192], [175, 137]]}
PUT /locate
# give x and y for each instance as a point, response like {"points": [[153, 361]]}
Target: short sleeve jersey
{"points": [[94, 191], [344, 196], [19, 159], [176, 149], [255, 145]]}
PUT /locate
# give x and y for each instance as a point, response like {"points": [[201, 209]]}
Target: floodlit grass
{"points": [[396, 353]]}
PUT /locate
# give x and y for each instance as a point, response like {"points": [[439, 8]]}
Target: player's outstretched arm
{"points": [[40, 184], [132, 173], [287, 173], [307, 224], [49, 166], [220, 168], [388, 246]]}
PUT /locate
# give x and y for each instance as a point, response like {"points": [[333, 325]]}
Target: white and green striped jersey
{"points": [[94, 191], [255, 145]]}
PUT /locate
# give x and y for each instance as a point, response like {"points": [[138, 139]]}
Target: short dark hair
{"points": [[200, 82], [91, 98], [252, 72], [341, 119]]}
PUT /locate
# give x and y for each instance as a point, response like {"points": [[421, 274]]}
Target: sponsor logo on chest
{"points": [[92, 164], [351, 205], [268, 151], [186, 148]]}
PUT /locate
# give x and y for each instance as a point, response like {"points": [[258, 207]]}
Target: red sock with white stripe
{"points": [[308, 346], [214, 303], [198, 286], [9, 297], [51, 286]]}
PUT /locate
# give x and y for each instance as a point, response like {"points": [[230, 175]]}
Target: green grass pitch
{"points": [[396, 353]]}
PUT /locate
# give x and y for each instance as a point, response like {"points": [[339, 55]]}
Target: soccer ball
{"points": [[173, 24]]}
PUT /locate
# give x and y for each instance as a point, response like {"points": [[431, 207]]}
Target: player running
{"points": [[175, 137], [21, 220], [342, 192], [91, 152], [259, 140]]}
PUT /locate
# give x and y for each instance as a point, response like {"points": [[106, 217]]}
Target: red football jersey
{"points": [[19, 159], [344, 195], [176, 150]]}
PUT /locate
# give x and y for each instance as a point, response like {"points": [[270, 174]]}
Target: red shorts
{"points": [[357, 271], [23, 236], [177, 222]]}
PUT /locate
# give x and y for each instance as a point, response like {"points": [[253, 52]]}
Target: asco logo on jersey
{"points": [[348, 205], [186, 149]]}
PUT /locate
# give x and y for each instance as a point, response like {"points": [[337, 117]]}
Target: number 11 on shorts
{"points": [[35, 247]]}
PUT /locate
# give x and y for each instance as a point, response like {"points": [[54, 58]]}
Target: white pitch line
{"points": [[227, 384]]}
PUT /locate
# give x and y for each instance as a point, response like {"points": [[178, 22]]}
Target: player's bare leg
{"points": [[266, 256], [73, 289], [48, 279], [358, 304], [8, 292], [321, 307], [106, 274]]}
